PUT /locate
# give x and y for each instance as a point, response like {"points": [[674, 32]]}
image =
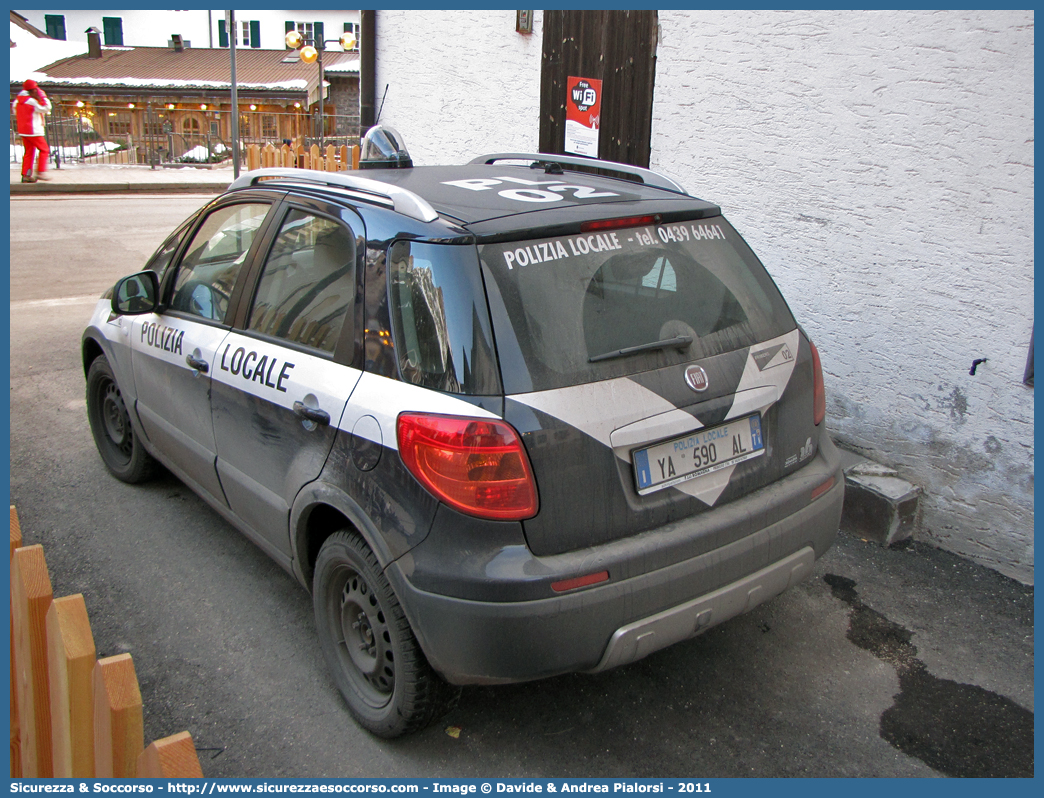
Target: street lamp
{"points": [[311, 50]]}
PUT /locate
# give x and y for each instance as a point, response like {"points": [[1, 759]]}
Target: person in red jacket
{"points": [[29, 107]]}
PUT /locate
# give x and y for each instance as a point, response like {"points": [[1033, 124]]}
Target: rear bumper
{"points": [[608, 625], [636, 640]]}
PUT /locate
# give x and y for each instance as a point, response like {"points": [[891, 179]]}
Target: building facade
{"points": [[159, 104], [154, 28], [879, 162]]}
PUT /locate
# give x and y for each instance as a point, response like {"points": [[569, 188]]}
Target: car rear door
{"points": [[283, 376], [173, 351]]}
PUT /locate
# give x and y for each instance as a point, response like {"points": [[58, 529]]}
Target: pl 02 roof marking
{"points": [[533, 191], [645, 175]]}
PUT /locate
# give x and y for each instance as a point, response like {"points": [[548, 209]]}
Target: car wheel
{"points": [[120, 449], [376, 661]]}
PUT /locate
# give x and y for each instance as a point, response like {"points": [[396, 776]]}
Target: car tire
{"points": [[376, 661], [120, 448]]}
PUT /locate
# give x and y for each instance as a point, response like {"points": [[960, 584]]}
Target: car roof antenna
{"points": [[385, 97]]}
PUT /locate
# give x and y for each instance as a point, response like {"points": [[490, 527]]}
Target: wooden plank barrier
{"points": [[169, 757], [71, 658], [332, 159], [72, 715], [119, 725], [30, 600]]}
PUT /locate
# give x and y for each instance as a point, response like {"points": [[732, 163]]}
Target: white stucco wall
{"points": [[140, 28], [880, 163], [460, 83]]}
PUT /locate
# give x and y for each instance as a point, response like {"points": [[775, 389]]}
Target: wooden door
{"points": [[616, 47]]}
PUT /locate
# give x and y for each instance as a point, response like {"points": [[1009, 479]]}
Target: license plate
{"points": [[701, 452]]}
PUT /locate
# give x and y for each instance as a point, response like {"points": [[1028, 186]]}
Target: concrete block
{"points": [[879, 505]]}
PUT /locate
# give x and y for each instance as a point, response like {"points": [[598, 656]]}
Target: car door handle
{"points": [[311, 413], [199, 365]]}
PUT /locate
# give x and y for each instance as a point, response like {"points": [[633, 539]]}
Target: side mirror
{"points": [[136, 294]]}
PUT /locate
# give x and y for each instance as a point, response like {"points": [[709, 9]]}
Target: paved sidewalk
{"points": [[103, 179]]}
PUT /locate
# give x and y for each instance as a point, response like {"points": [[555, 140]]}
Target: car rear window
{"points": [[566, 310]]}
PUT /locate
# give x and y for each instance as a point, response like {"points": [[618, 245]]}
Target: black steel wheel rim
{"points": [[362, 636], [115, 422]]}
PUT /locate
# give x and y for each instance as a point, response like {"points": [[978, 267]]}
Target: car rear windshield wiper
{"points": [[679, 342]]}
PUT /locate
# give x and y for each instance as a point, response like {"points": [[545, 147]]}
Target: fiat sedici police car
{"points": [[504, 420]]}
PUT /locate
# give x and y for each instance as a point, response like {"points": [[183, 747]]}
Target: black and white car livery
{"points": [[505, 420]]}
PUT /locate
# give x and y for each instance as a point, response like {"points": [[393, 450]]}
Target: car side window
{"points": [[208, 271], [440, 319], [161, 259], [308, 282]]}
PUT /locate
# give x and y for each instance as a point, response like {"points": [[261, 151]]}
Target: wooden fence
{"points": [[332, 159], [72, 715]]}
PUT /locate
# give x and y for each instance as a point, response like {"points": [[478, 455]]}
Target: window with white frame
{"points": [[251, 32]]}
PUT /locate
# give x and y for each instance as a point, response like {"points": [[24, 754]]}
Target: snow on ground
{"points": [[89, 149], [200, 153], [94, 148]]}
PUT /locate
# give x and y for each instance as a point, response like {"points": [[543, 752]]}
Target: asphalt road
{"points": [[884, 663]]}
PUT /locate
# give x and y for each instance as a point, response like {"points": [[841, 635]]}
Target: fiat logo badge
{"points": [[696, 378]]}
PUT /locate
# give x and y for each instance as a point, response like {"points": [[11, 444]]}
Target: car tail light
{"points": [[475, 465], [818, 391]]}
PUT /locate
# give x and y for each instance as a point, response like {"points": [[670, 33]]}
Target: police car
{"points": [[530, 415]]}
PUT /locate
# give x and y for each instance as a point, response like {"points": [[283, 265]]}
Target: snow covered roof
{"points": [[348, 66], [30, 53], [192, 68]]}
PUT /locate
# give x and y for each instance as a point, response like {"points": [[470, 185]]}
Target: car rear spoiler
{"points": [[645, 176]]}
